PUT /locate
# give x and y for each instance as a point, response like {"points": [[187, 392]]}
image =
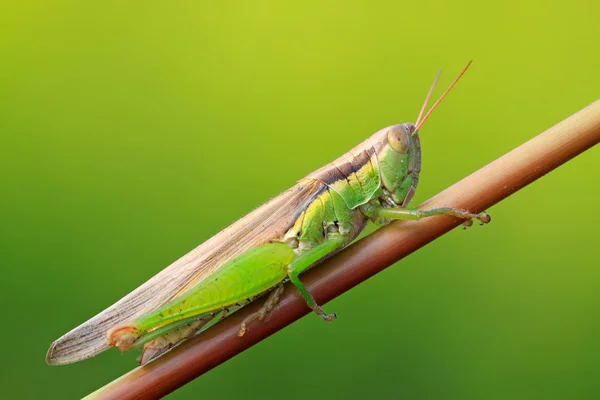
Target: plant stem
{"points": [[363, 259]]}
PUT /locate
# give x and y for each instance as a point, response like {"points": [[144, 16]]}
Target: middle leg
{"points": [[308, 259]]}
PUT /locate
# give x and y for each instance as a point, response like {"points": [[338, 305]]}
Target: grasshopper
{"points": [[319, 216]]}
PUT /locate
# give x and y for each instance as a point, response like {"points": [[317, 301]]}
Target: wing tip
{"points": [[60, 353], [52, 356]]}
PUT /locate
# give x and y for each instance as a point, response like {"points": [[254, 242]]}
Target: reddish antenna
{"points": [[435, 81], [420, 122]]}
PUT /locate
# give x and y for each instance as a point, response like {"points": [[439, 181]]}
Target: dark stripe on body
{"points": [[341, 168]]}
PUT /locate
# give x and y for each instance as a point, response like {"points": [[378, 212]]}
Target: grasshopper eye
{"points": [[399, 139]]}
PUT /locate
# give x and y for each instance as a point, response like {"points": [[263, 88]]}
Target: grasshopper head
{"points": [[400, 164], [400, 157]]}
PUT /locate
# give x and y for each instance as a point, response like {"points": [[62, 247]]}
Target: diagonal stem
{"points": [[363, 259]]}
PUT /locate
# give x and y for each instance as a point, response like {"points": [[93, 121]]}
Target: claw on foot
{"points": [[244, 326], [269, 305], [326, 317], [329, 317], [243, 329], [484, 217]]}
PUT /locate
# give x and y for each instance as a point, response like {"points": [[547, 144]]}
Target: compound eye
{"points": [[399, 139]]}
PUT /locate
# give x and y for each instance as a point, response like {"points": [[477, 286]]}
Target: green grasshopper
{"points": [[275, 243]]}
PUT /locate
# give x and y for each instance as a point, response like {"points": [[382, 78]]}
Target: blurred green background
{"points": [[132, 132]]}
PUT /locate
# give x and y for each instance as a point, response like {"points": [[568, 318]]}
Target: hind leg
{"points": [[162, 344], [269, 305]]}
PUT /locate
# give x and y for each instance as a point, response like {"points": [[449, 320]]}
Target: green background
{"points": [[130, 133]]}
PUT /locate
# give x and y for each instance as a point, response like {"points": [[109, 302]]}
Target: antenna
{"points": [[435, 81], [420, 123]]}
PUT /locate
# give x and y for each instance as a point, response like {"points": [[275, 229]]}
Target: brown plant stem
{"points": [[363, 259]]}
